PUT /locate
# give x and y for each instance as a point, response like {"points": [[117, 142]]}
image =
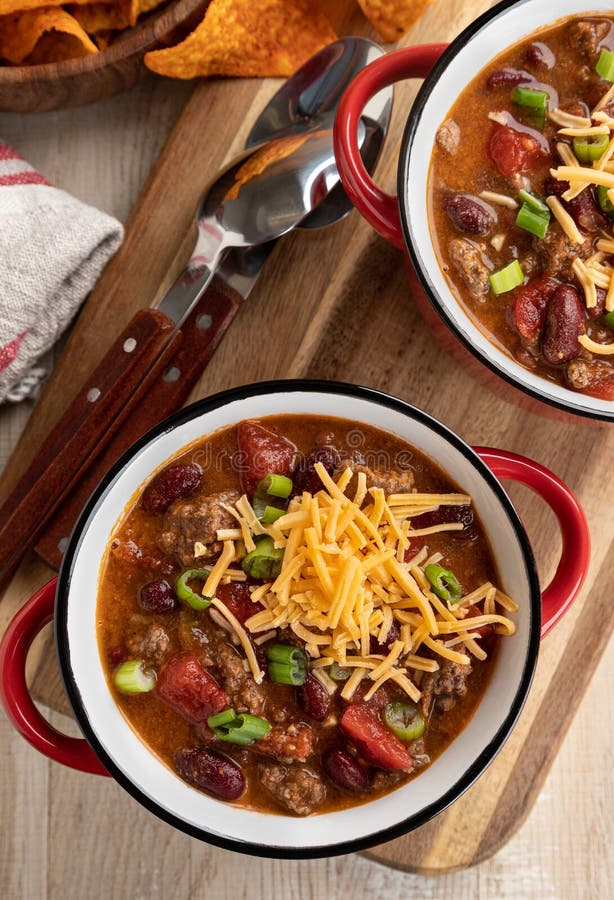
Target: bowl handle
{"points": [[575, 555], [14, 694], [379, 208]]}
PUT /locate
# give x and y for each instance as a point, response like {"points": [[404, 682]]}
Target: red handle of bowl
{"points": [[379, 208], [14, 694], [575, 556]]}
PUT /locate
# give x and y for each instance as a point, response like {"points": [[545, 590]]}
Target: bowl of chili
{"points": [[361, 780], [502, 203]]}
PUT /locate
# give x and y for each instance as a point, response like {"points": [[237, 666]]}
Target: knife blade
{"points": [[202, 331]]}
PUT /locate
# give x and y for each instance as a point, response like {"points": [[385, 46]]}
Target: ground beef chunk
{"points": [[448, 137], [470, 264], [384, 781], [288, 743], [587, 34], [245, 695], [584, 373], [444, 687], [392, 482], [194, 519], [556, 253], [153, 646], [297, 790]]}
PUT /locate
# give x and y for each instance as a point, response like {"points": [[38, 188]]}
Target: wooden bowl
{"points": [[75, 82]]}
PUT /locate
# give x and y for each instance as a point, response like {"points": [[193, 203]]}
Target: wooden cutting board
{"points": [[336, 305]]}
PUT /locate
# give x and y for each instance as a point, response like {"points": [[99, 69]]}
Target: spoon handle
{"points": [[202, 332]]}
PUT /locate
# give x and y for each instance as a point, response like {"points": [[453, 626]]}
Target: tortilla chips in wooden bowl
{"points": [[55, 53]]}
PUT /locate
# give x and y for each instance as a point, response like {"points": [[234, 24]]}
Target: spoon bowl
{"points": [[309, 100]]}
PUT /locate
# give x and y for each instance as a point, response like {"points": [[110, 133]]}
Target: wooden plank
{"points": [[327, 300]]}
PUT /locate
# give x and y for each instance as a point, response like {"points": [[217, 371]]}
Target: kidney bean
{"points": [[507, 78], [586, 214], [462, 514], [469, 214], [344, 771], [394, 633], [170, 484], [528, 307], [210, 771], [563, 325], [313, 699], [305, 477], [158, 597]]}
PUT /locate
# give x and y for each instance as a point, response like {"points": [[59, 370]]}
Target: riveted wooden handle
{"points": [[135, 359], [202, 332]]}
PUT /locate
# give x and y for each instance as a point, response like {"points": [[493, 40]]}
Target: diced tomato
{"points": [[237, 597], [263, 451], [513, 152], [190, 689], [485, 630], [376, 743], [528, 308]]}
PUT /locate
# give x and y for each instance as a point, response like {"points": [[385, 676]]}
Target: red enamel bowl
{"points": [[112, 747], [403, 219]]}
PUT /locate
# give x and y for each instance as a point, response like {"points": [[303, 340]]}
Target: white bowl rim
{"points": [[571, 401], [370, 839]]}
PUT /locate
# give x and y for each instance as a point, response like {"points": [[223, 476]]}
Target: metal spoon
{"points": [[262, 195], [309, 99]]}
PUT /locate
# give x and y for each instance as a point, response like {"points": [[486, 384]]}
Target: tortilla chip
{"points": [[21, 34], [96, 17], [245, 38], [393, 18], [11, 6]]}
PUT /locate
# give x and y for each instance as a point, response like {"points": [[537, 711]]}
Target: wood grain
{"points": [[75, 82], [329, 300]]}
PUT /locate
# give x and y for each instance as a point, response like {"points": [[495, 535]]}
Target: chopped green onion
{"points": [[284, 674], [276, 485], [264, 561], [605, 65], [404, 719], [536, 101], [339, 673], [272, 485], [271, 514], [444, 583], [608, 319], [287, 664], [532, 221], [184, 592], [588, 149], [534, 202], [604, 201], [222, 718], [242, 729], [287, 654], [507, 279], [134, 677]]}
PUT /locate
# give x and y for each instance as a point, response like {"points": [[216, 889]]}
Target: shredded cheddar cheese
{"points": [[348, 575]]}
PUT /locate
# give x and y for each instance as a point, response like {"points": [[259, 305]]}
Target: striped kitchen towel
{"points": [[53, 248]]}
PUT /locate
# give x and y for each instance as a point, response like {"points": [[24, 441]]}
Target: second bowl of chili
{"points": [[503, 204]]}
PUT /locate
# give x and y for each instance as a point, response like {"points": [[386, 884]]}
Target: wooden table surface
{"points": [[69, 835]]}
